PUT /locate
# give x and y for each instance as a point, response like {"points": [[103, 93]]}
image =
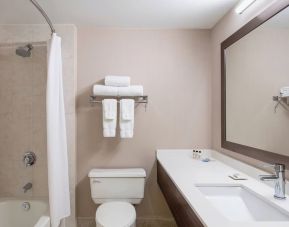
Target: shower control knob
{"points": [[29, 158]]}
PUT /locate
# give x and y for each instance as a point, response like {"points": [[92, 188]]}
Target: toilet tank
{"points": [[117, 185]]}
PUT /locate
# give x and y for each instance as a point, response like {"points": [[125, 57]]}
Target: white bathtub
{"points": [[13, 214]]}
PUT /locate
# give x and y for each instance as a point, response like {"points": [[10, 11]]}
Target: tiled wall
{"points": [[22, 120], [22, 115]]}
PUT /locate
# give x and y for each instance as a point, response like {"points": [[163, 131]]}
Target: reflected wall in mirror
{"points": [[255, 66]]}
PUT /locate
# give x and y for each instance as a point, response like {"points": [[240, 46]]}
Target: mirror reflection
{"points": [[257, 87]]}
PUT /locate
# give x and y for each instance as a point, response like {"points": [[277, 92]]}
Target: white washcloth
{"points": [[117, 81], [109, 116], [126, 118], [134, 90], [104, 90]]}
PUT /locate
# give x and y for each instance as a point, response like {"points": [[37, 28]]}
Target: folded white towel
{"points": [[134, 90], [126, 118], [109, 107], [117, 81], [104, 90]]}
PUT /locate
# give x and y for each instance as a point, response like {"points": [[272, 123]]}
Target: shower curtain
{"points": [[58, 183]]}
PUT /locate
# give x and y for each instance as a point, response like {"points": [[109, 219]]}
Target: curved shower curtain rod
{"points": [[41, 10]]}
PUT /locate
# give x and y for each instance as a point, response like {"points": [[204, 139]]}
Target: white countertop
{"points": [[187, 172]]}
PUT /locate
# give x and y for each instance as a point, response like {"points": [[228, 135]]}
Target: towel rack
{"points": [[138, 99]]}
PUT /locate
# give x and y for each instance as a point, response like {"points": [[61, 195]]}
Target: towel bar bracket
{"points": [[282, 101]]}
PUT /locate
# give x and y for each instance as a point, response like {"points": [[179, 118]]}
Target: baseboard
{"points": [[141, 222]]}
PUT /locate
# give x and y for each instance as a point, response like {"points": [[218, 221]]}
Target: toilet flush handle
{"points": [[96, 181]]}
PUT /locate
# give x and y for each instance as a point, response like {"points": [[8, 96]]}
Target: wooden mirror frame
{"points": [[259, 154]]}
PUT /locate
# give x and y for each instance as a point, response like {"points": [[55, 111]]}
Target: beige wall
{"points": [[25, 88], [174, 66], [226, 27]]}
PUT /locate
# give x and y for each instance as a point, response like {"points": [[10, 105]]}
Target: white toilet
{"points": [[116, 190]]}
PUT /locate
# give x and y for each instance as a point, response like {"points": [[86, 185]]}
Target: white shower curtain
{"points": [[58, 183]]}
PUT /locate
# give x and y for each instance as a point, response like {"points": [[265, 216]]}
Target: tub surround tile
{"points": [[19, 121], [22, 108]]}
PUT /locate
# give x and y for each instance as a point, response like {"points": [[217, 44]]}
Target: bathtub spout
{"points": [[27, 187]]}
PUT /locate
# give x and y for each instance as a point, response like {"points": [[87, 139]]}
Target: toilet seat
{"points": [[115, 214]]}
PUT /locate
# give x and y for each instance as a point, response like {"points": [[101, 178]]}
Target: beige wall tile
{"points": [[22, 108], [25, 128]]}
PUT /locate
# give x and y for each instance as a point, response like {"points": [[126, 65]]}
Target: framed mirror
{"points": [[255, 87]]}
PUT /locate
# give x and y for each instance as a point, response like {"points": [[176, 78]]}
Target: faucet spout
{"points": [[279, 179], [27, 187]]}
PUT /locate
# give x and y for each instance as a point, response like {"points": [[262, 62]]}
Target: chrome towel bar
{"points": [[138, 99]]}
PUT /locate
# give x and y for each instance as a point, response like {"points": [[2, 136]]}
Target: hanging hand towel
{"points": [[58, 183], [104, 90], [126, 118], [109, 107], [134, 90], [117, 81]]}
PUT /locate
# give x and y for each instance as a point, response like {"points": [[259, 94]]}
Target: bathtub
{"points": [[24, 213]]}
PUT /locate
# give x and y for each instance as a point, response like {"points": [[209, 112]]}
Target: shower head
{"points": [[24, 51]]}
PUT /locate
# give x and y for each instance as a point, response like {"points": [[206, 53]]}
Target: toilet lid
{"points": [[115, 214]]}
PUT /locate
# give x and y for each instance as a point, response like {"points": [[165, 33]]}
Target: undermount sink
{"points": [[237, 203]]}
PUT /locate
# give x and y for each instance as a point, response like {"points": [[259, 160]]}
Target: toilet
{"points": [[116, 190]]}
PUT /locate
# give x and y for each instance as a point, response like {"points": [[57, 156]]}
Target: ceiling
{"points": [[119, 13]]}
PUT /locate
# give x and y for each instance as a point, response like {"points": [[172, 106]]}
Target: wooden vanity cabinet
{"points": [[181, 210]]}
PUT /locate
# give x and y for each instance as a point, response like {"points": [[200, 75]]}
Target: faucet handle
{"points": [[279, 167], [29, 158]]}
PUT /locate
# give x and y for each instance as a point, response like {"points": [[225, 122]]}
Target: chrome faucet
{"points": [[27, 187], [279, 179]]}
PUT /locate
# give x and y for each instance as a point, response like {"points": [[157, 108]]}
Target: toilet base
{"points": [[133, 225], [115, 214]]}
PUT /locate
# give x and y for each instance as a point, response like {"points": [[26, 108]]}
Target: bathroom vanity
{"points": [[183, 213], [202, 193], [220, 191]]}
